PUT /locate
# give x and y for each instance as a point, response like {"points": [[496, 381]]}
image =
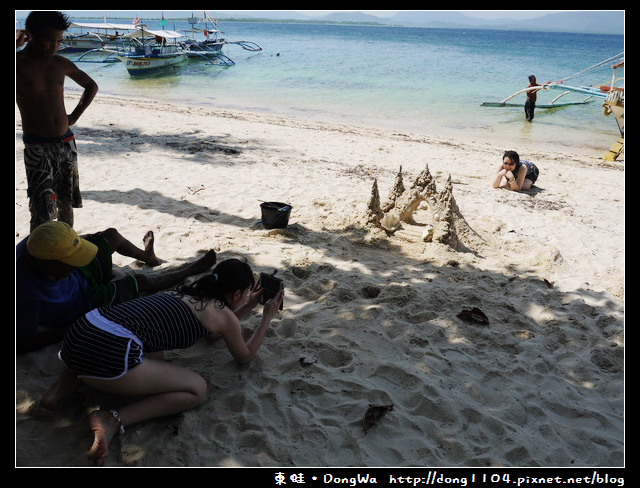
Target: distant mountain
{"points": [[438, 18], [600, 22], [357, 17], [604, 22]]}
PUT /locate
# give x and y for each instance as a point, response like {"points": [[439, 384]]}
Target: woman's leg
{"points": [[169, 389], [64, 387]]}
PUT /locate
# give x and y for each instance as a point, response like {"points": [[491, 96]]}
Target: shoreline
{"points": [[369, 317], [520, 135]]}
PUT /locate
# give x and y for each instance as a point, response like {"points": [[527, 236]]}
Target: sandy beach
{"points": [[499, 340]]}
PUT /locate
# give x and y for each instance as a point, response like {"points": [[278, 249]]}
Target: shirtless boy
{"points": [[50, 154]]}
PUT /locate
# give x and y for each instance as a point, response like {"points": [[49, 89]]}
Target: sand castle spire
{"points": [[444, 223], [395, 192], [374, 212]]}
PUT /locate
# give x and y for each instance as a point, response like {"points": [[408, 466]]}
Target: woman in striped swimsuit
{"points": [[118, 349]]}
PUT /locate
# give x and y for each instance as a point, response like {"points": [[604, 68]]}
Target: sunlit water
{"points": [[430, 81]]}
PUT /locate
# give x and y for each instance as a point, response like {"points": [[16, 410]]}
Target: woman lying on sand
{"points": [[118, 349], [518, 175]]}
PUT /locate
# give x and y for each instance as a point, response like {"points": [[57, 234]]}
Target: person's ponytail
{"points": [[226, 277]]}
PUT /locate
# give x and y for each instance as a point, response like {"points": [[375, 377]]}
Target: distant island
{"points": [[593, 22]]}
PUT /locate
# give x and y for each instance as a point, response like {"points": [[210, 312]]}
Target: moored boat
{"points": [[165, 52], [96, 36]]}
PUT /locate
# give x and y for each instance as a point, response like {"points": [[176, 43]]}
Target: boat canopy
{"points": [[205, 31], [104, 25], [167, 34]]}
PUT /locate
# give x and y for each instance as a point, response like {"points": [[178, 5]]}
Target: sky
{"points": [[483, 14]]}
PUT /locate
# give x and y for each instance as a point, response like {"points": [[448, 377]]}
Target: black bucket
{"points": [[275, 215]]}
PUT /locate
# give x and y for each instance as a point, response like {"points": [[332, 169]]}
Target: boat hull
{"points": [[80, 44], [205, 46], [139, 65]]}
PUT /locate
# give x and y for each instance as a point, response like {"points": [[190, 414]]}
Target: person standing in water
{"points": [[532, 96]]}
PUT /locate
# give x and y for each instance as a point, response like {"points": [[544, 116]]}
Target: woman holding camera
{"points": [[119, 349]]}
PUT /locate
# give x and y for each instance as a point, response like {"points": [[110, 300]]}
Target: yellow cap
{"points": [[56, 240]]}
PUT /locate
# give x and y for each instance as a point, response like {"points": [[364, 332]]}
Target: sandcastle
{"points": [[441, 219]]}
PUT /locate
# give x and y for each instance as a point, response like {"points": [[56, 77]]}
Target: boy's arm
{"points": [[90, 89]]}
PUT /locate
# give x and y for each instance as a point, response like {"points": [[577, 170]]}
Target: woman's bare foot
{"points": [[59, 394], [148, 240], [105, 427]]}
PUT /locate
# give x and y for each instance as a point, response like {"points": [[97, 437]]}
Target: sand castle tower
{"points": [[440, 218]]}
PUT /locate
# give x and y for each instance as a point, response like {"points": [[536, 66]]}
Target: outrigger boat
{"points": [[208, 49], [163, 53], [211, 40], [144, 51], [612, 97], [97, 36], [210, 46], [614, 104], [99, 42]]}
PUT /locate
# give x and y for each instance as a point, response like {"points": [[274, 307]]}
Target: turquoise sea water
{"points": [[430, 81]]}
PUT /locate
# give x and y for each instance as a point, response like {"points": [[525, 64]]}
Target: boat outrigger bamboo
{"points": [[612, 97], [554, 103]]}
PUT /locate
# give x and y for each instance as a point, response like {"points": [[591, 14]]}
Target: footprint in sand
{"points": [[287, 328]]}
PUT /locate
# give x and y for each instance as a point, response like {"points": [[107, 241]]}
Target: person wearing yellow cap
{"points": [[61, 275]]}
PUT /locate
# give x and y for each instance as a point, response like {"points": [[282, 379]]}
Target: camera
{"points": [[271, 285]]}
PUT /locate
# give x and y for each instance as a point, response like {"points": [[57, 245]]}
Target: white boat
{"points": [[144, 51], [614, 103], [206, 41], [612, 96], [210, 33], [96, 36], [164, 53]]}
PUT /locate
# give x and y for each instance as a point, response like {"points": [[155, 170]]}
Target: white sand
{"points": [[541, 385]]}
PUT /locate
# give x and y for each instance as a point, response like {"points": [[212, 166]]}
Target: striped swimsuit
{"points": [[109, 341]]}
